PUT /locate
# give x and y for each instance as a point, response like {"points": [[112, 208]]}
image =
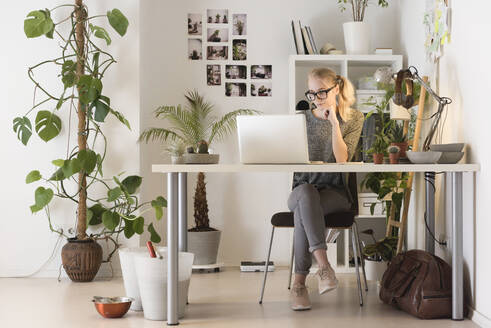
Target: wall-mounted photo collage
{"points": [[224, 39]]}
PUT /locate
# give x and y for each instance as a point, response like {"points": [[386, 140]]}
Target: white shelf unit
{"points": [[353, 67]]}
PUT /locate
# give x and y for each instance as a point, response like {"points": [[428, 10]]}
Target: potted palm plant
{"points": [[83, 65], [196, 127], [357, 32]]}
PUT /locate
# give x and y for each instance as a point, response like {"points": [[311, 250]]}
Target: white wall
{"points": [[240, 205], [462, 78], [25, 239]]}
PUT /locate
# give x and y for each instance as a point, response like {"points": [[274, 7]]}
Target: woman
{"points": [[333, 130]]}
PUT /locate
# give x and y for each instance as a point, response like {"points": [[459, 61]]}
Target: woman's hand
{"points": [[329, 113]]}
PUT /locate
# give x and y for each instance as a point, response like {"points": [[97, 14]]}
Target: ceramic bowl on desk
{"points": [[451, 157], [451, 147], [424, 157]]}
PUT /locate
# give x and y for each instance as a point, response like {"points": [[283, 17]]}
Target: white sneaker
{"points": [[299, 298], [326, 278]]}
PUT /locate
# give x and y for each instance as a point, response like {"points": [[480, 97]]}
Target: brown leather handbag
{"points": [[419, 283]]}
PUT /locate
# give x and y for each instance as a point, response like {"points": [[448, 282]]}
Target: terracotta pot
{"points": [[378, 158], [81, 259], [403, 148], [394, 158]]}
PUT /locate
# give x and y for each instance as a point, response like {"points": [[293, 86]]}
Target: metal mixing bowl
{"points": [[112, 307]]}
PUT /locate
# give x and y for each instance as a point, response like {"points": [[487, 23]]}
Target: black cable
{"points": [[428, 178]]}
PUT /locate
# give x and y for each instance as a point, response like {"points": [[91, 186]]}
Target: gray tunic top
{"points": [[319, 135]]}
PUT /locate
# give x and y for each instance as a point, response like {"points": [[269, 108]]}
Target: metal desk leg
{"points": [[457, 248], [172, 250], [183, 212], [430, 211]]}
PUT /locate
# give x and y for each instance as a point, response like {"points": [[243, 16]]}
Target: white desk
{"points": [[177, 211]]}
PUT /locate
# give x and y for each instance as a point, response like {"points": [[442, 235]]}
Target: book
{"points": [[306, 39], [295, 37], [312, 42], [298, 38]]}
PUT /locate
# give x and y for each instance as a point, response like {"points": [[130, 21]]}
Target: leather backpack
{"points": [[419, 283]]}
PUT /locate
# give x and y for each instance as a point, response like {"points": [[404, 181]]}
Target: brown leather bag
{"points": [[419, 283]]}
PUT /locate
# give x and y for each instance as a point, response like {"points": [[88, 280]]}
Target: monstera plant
{"points": [[82, 65]]}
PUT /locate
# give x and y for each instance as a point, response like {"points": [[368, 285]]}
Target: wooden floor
{"points": [[225, 299]]}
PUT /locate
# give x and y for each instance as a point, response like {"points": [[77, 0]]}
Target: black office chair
{"points": [[339, 220]]}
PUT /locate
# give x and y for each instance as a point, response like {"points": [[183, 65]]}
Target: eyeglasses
{"points": [[321, 94]]}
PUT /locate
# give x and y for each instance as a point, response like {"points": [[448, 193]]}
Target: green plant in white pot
{"points": [[378, 255], [357, 32], [196, 127]]}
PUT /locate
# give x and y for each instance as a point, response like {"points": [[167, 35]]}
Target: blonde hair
{"points": [[346, 91]]}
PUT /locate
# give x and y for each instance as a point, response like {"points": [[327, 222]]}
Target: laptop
{"points": [[273, 139]]}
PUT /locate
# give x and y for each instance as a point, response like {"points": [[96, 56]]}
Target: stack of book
{"points": [[304, 40]]}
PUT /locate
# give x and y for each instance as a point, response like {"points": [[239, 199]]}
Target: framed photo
{"points": [[240, 24], [217, 35], [239, 47], [235, 72], [217, 16], [233, 89], [217, 53], [261, 72], [195, 24], [195, 49], [261, 89], [213, 74]]}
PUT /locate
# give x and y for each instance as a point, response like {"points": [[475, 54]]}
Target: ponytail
{"points": [[346, 97]]}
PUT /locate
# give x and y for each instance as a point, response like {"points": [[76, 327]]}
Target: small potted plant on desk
{"points": [[399, 139], [393, 154], [383, 126]]}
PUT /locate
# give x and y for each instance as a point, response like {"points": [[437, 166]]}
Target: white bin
{"points": [[129, 274], [152, 282]]}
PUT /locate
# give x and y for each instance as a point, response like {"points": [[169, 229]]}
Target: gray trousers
{"points": [[309, 207]]}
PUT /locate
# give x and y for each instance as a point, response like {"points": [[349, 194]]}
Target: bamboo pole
{"points": [[80, 16]]}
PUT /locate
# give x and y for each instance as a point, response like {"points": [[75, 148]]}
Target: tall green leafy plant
{"points": [[82, 65]]}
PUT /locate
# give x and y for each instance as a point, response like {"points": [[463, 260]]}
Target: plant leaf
{"points": [[68, 74], [154, 236], [87, 160], [118, 21], [97, 211], [101, 33], [129, 231], [23, 128], [120, 117], [38, 23], [132, 183], [113, 194], [90, 88], [33, 176], [158, 204], [42, 197], [48, 125], [138, 225], [101, 109], [58, 175], [110, 220]]}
